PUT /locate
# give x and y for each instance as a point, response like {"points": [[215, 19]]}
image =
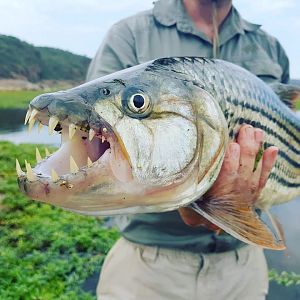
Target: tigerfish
{"points": [[152, 138]]}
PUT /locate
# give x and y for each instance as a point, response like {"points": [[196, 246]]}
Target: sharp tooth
{"points": [[72, 130], [31, 124], [40, 126], [27, 116], [102, 138], [47, 152], [33, 114], [91, 134], [104, 129], [18, 168], [53, 121], [54, 176], [89, 162], [30, 175], [38, 155], [73, 166]]}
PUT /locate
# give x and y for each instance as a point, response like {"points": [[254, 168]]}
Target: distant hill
{"points": [[20, 60]]}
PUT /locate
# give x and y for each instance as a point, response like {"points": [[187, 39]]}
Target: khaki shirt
{"points": [[166, 30]]}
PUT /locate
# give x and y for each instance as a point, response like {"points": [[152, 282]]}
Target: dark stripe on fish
{"points": [[270, 117], [268, 131], [285, 156], [283, 181], [280, 153]]}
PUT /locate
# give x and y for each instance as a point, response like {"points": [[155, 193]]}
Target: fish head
{"points": [[139, 140]]}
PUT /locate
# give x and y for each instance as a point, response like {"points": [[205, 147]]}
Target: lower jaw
{"points": [[45, 190], [111, 171], [97, 192]]}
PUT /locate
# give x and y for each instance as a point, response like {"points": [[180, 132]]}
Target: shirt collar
{"points": [[171, 12]]}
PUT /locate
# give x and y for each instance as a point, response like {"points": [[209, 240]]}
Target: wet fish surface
{"points": [[152, 138]]}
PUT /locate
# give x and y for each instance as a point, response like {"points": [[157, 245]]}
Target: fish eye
{"points": [[105, 92], [138, 103]]}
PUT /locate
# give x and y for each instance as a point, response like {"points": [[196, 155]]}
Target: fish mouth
{"points": [[91, 154]]}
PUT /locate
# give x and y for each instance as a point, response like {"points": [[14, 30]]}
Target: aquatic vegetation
{"points": [[45, 253], [284, 278]]}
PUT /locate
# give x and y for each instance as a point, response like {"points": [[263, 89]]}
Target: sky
{"points": [[80, 25]]}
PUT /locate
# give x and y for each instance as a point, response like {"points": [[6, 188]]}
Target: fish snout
{"points": [[64, 106]]}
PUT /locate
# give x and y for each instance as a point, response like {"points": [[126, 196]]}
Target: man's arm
{"points": [[284, 63]]}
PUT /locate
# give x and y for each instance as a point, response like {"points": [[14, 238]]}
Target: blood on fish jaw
{"points": [[83, 148]]}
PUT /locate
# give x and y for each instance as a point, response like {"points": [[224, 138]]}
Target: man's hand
{"points": [[237, 172]]}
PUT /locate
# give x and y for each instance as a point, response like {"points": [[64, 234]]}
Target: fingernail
{"points": [[259, 135], [275, 151], [249, 131]]}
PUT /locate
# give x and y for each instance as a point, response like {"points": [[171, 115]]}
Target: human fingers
{"points": [[231, 160], [228, 172], [254, 178], [250, 141], [254, 181], [268, 161]]}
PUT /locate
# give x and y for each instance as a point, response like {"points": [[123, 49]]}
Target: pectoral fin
{"points": [[287, 93], [241, 220]]}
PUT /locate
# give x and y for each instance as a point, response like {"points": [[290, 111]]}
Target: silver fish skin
{"points": [[152, 138]]}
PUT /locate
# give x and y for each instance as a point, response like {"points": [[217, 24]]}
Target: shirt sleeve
{"points": [[116, 52], [284, 63]]}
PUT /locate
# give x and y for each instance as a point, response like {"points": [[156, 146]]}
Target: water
{"points": [[289, 259], [12, 129]]}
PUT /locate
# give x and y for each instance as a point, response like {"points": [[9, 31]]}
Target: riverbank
{"points": [[20, 96], [44, 85], [46, 253], [17, 99]]}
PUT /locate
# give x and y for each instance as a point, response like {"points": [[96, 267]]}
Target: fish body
{"points": [[245, 99], [152, 138]]}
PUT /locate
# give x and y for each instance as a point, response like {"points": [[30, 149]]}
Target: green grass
{"points": [[17, 99], [45, 252]]}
